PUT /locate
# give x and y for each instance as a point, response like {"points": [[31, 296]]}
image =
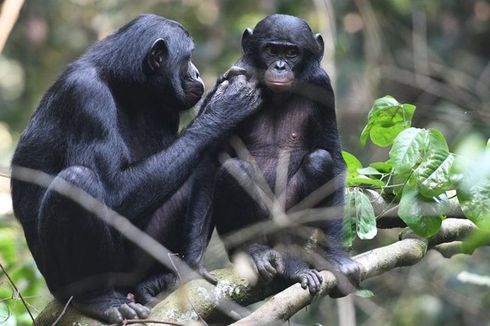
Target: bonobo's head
{"points": [[282, 47], [169, 67], [154, 54]]}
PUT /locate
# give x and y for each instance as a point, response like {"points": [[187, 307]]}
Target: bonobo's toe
{"points": [[310, 279], [142, 311], [207, 275]]}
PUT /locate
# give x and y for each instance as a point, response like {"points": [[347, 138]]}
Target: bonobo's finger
{"points": [[266, 271], [113, 315], [207, 275], [312, 285], [142, 311], [127, 312], [315, 281], [303, 280], [221, 88], [318, 275], [278, 263], [234, 71], [239, 81]]}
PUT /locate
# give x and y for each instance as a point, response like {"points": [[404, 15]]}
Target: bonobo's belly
{"points": [[278, 160]]}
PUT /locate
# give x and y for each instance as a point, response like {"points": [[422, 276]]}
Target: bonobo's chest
{"points": [[280, 126]]}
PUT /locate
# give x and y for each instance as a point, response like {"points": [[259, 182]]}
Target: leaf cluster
{"points": [[419, 175]]}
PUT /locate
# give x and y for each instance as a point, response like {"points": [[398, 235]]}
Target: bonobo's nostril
{"points": [[280, 65]]}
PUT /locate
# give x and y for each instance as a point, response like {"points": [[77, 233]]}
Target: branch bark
{"points": [[199, 300]]}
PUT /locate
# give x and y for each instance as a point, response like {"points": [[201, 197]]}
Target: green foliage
{"points": [[386, 120], [419, 173], [359, 217], [471, 174], [23, 273]]}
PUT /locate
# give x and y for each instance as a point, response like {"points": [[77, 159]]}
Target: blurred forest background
{"points": [[434, 54]]}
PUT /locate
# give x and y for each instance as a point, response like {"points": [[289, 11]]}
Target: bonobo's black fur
{"points": [[109, 126], [297, 118]]}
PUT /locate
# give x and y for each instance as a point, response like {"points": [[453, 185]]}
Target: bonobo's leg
{"points": [[80, 251], [238, 203], [317, 169]]}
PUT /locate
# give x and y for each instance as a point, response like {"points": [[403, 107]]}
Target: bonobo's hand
{"points": [[234, 99]]}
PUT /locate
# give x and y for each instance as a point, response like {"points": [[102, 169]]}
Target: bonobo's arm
{"points": [[151, 181]]}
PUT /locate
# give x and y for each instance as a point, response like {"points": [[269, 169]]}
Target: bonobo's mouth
{"points": [[194, 94], [278, 85]]}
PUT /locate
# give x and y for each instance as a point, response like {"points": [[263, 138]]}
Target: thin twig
{"points": [[8, 16], [17, 292], [63, 312]]}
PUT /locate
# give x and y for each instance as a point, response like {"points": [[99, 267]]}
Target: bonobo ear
{"points": [[156, 55], [247, 34], [321, 44]]}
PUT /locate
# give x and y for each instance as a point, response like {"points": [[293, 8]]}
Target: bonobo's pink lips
{"points": [[278, 82]]}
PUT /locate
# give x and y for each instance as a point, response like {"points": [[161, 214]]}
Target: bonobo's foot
{"points": [[296, 270], [148, 290], [112, 307], [309, 279], [267, 261], [348, 274]]}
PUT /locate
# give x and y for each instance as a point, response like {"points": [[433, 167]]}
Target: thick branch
{"points": [[408, 251], [198, 299]]}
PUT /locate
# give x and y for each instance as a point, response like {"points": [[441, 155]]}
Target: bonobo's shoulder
{"points": [[83, 80], [319, 77]]}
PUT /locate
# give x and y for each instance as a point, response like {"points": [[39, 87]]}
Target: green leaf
{"points": [[353, 164], [386, 119], [349, 227], [364, 293], [366, 223], [360, 214], [384, 167], [422, 215], [472, 177], [414, 145], [406, 150], [364, 181], [369, 171], [433, 174]]}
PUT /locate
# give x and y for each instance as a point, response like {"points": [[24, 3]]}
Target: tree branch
{"points": [[200, 300]]}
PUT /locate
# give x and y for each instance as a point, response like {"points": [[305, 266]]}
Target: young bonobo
{"points": [[296, 120]]}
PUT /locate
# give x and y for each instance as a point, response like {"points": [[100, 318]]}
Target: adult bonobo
{"points": [[296, 124], [109, 126]]}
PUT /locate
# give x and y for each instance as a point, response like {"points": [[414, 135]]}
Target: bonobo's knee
{"points": [[81, 177], [57, 209], [319, 161]]}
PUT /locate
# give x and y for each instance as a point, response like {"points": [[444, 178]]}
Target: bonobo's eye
{"points": [[271, 50], [292, 52]]}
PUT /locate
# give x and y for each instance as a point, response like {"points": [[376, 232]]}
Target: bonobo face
{"points": [[280, 59], [169, 62], [282, 47]]}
